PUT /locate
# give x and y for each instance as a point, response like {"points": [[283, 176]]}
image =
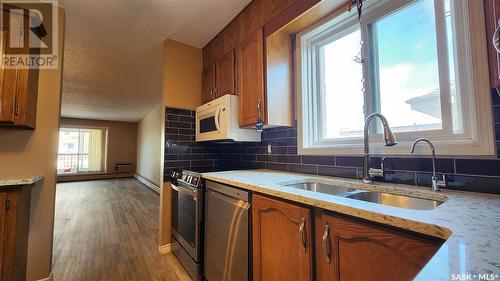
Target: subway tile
{"points": [[349, 161], [495, 97], [171, 157], [201, 163], [279, 150], [484, 167], [180, 125], [476, 184], [171, 117], [276, 166], [190, 132], [197, 150], [177, 150], [292, 150], [248, 157], [179, 138], [190, 157], [266, 158], [342, 172], [256, 165], [178, 111], [276, 135], [209, 156], [174, 163], [400, 177], [292, 133], [318, 160], [171, 131], [189, 119], [307, 169], [419, 164], [496, 113], [288, 158]]}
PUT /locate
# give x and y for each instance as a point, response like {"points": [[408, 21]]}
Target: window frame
{"points": [[105, 132], [473, 82]]}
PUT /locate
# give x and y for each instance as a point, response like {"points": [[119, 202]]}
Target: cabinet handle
{"points": [[302, 234], [215, 91], [326, 244], [496, 38], [7, 205]]}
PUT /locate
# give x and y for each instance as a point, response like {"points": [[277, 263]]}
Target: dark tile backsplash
{"points": [[181, 151]]}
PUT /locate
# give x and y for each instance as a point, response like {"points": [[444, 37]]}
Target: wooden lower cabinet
{"points": [[14, 228], [351, 249], [282, 242]]}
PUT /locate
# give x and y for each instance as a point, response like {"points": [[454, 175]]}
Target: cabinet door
{"points": [[7, 76], [281, 240], [3, 199], [492, 13], [347, 249], [225, 75], [250, 56], [208, 90]]}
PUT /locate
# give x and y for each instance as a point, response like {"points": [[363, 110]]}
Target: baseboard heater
{"points": [[123, 167]]}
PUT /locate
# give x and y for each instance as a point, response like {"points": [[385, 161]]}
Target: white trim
{"points": [[478, 137], [47, 278], [147, 183], [165, 249]]}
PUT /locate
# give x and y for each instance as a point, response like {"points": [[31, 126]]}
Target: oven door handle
{"points": [[187, 191]]}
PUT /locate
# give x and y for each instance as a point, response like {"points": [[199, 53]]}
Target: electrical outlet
{"points": [[269, 149]]}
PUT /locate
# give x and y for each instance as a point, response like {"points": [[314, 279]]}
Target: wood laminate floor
{"points": [[108, 230]]}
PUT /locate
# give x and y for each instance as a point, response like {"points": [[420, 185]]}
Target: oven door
{"points": [[187, 217], [211, 123]]}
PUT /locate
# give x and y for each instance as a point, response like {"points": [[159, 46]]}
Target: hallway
{"points": [[108, 230]]}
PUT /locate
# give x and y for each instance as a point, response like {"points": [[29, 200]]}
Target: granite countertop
{"points": [[469, 222], [12, 181]]}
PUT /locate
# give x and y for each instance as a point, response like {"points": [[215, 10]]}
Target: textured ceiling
{"points": [[114, 50]]}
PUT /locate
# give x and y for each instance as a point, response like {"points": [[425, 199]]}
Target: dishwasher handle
{"points": [[230, 200]]}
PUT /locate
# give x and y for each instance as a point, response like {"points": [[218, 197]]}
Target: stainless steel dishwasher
{"points": [[226, 233]]}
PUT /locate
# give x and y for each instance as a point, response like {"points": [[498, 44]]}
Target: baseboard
{"points": [[91, 177], [164, 249], [47, 279], [147, 183]]}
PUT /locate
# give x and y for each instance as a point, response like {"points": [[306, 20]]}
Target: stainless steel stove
{"points": [[187, 221]]}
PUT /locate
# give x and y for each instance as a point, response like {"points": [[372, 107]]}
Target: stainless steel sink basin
{"points": [[378, 197], [394, 200], [321, 187]]}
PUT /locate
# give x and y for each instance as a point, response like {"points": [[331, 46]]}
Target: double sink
{"points": [[378, 197]]}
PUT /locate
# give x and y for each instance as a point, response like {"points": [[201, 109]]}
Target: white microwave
{"points": [[218, 121]]}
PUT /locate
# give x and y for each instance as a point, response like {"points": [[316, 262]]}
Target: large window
{"points": [[81, 150], [422, 64]]}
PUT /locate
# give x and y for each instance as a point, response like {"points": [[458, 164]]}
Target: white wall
{"points": [[149, 146]]}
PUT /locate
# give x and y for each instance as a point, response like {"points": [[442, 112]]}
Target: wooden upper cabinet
{"points": [[18, 87], [492, 13], [348, 249], [225, 80], [281, 241], [250, 57], [208, 83]]}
